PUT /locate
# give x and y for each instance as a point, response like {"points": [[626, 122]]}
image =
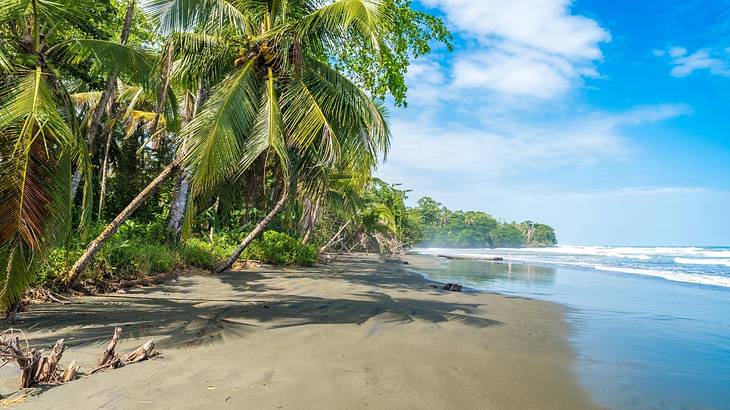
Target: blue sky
{"points": [[608, 120]]}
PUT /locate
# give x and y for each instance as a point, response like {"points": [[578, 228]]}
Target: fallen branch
{"points": [[35, 368], [144, 352], [149, 280]]}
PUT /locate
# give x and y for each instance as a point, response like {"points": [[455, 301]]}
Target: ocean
{"points": [[650, 325]]}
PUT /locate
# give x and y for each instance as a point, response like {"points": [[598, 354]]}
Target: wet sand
{"points": [[360, 332]]}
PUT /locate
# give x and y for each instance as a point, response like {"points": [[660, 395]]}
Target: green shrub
{"points": [[56, 264], [199, 253], [153, 232], [281, 249], [153, 258], [131, 257]]}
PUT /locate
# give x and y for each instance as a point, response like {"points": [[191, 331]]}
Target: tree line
{"points": [[441, 227]]}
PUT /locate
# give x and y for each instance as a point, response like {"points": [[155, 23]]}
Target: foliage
{"points": [[198, 253], [140, 258], [281, 249], [409, 34], [204, 254], [440, 226]]}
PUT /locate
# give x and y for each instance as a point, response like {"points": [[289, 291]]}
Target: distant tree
{"points": [[431, 212], [543, 235], [508, 236]]}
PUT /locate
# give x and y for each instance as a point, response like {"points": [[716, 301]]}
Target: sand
{"points": [[360, 332]]}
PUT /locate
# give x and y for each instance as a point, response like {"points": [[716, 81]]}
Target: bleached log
{"points": [[70, 372], [142, 353]]}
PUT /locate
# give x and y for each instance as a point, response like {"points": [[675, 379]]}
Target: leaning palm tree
{"points": [[279, 93], [39, 141], [41, 138]]}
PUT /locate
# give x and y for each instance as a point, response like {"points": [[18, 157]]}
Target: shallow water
{"points": [[643, 341]]}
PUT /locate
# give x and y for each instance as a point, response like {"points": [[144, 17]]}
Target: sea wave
{"points": [[705, 261], [674, 276]]}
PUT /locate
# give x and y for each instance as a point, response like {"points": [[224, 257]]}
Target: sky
{"points": [[609, 121]]}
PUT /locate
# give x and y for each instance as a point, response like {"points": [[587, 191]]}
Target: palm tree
{"points": [[39, 141], [278, 93]]}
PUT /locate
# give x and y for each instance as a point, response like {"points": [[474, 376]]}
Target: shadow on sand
{"points": [[204, 309]]}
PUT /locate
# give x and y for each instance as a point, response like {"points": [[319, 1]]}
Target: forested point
{"points": [[143, 137], [437, 226]]}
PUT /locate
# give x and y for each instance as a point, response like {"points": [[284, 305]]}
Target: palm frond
{"points": [[324, 107], [335, 21], [185, 15], [215, 138], [114, 57], [5, 64], [33, 187], [268, 131]]}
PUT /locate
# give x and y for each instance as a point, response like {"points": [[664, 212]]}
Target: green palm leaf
{"points": [[216, 137], [114, 57], [33, 184]]}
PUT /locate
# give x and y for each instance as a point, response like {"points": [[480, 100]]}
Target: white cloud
{"points": [[533, 48], [685, 63], [428, 146]]}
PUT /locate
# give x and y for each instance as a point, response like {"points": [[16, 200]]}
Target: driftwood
{"points": [[142, 353], [452, 287], [70, 372], [108, 354], [473, 258], [34, 367], [109, 360], [48, 365], [149, 280]]}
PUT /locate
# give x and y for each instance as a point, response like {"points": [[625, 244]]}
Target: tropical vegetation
{"points": [[143, 136], [441, 227]]}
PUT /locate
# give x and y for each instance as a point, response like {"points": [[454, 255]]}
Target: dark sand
{"points": [[356, 333]]}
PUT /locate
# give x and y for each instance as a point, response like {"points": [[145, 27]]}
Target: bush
{"points": [[281, 249], [153, 259], [56, 264], [135, 257], [198, 253]]}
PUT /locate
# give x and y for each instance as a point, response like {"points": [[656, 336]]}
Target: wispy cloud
{"points": [[685, 63], [493, 148]]}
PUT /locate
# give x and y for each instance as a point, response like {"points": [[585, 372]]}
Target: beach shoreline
{"points": [[359, 332]]}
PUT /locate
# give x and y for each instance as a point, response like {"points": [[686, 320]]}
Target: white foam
{"points": [[723, 281], [705, 261]]}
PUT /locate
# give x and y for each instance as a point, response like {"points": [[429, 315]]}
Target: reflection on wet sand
{"points": [[482, 272]]}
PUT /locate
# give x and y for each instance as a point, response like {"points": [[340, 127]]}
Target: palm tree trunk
{"points": [[104, 173], [180, 195], [111, 83], [211, 232], [78, 268], [253, 234], [163, 91], [311, 215]]}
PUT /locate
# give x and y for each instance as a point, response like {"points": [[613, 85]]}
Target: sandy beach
{"points": [[360, 332]]}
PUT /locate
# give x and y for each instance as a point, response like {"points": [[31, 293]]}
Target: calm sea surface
{"points": [[651, 325]]}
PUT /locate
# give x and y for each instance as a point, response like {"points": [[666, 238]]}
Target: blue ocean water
{"points": [[651, 325]]}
